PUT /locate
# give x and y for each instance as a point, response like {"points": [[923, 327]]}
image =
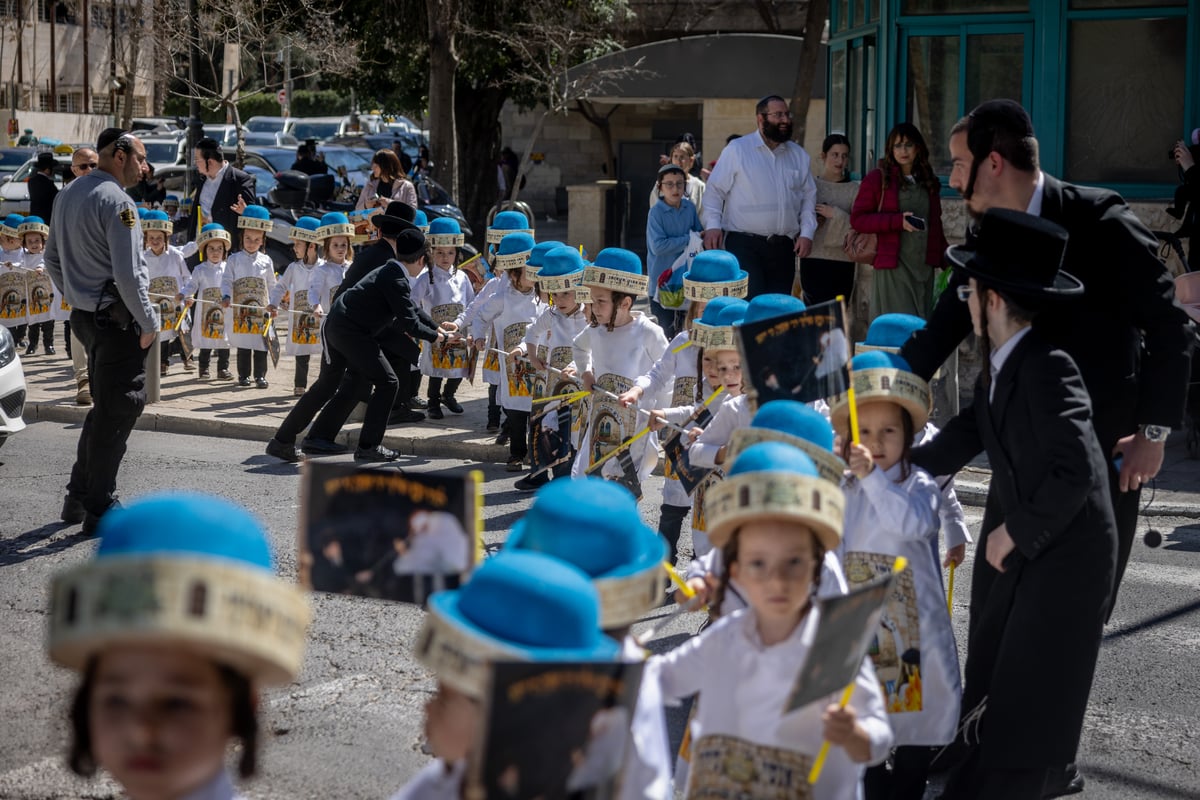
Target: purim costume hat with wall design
{"points": [[157, 221], [205, 583], [213, 232], [882, 377], [795, 424], [619, 270], [562, 269], [335, 223], [514, 251], [507, 222], [445, 232], [715, 273], [305, 230], [35, 224], [255, 218], [518, 606], [537, 257], [889, 332], [715, 329], [10, 224], [594, 525], [775, 481], [421, 220]]}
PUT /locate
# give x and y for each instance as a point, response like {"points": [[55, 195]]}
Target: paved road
{"points": [[350, 727]]}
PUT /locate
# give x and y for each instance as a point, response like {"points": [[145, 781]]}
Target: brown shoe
{"points": [[83, 397], [162, 370]]}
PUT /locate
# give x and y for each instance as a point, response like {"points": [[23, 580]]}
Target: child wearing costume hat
{"points": [[169, 281], [14, 301], [509, 312], [618, 345], [444, 293], [210, 320], [335, 254], [533, 265], [774, 548], [249, 278], [550, 612], [888, 332], [892, 511], [170, 664], [304, 329], [1041, 590], [673, 218], [549, 344], [41, 289], [595, 526]]}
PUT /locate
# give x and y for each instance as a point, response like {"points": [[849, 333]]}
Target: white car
{"points": [[12, 387], [14, 190]]}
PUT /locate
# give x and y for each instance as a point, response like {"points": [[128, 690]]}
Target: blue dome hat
{"points": [[795, 424], [35, 224], [445, 232], [171, 200], [883, 377], [507, 222], [594, 525], [156, 221], [514, 251], [518, 606], [889, 332], [8, 227], [537, 257], [335, 223], [255, 218], [772, 481], [715, 273], [562, 269], [181, 569], [619, 270], [715, 330], [213, 231], [305, 230], [770, 306], [421, 220]]}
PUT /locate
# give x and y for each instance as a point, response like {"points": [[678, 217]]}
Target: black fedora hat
{"points": [[398, 216], [45, 160], [1018, 253]]}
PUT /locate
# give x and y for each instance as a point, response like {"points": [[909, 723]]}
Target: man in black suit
{"points": [[42, 189], [1137, 389], [222, 193], [1043, 571]]}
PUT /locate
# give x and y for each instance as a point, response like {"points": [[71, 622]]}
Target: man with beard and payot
{"points": [[760, 203]]}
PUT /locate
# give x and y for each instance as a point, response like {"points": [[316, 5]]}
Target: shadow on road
{"points": [[10, 549]]}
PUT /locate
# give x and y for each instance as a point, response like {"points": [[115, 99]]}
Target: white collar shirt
{"points": [[1039, 191], [208, 192], [1000, 355], [763, 191]]}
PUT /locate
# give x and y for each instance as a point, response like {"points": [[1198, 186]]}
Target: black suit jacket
{"points": [[1044, 615], [1128, 295], [42, 192], [234, 184], [395, 338]]}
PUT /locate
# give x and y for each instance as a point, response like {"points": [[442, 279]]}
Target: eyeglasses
{"points": [[86, 167], [964, 292], [779, 115], [674, 184], [792, 569]]}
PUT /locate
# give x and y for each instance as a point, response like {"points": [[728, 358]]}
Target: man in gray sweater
{"points": [[94, 253]]}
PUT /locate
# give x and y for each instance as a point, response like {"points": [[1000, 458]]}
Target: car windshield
{"points": [[349, 159], [11, 160], [314, 130], [264, 125], [161, 152]]}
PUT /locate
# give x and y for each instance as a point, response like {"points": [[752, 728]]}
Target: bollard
{"points": [[153, 376]]}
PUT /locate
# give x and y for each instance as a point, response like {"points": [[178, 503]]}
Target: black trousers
{"points": [[494, 404], [437, 391], [243, 362], [206, 359], [905, 780], [517, 424], [117, 374], [361, 353], [302, 371], [354, 388], [47, 330], [329, 378], [771, 263], [67, 336], [670, 525], [824, 279]]}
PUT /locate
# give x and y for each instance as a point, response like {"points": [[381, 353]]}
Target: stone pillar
{"points": [[586, 215]]}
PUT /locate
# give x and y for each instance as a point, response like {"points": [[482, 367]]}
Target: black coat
{"points": [[234, 184], [1035, 629], [395, 339], [1128, 293], [42, 191], [381, 306]]}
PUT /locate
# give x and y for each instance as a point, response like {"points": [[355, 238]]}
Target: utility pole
{"points": [[87, 62], [287, 78], [195, 126], [53, 57], [112, 60]]}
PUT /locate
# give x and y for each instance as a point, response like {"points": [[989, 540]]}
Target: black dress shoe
{"points": [[31, 350], [1062, 781], [492, 427], [261, 383], [72, 510], [376, 453], [49, 350], [531, 483], [92, 521], [502, 439], [417, 402], [452, 404], [243, 382], [435, 410], [405, 416], [284, 452], [322, 446]]}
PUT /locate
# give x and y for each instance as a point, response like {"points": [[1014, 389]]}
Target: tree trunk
{"points": [[443, 66], [814, 26], [478, 120], [133, 52], [603, 124]]}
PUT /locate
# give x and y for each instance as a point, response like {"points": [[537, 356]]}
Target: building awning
{"points": [[697, 68]]}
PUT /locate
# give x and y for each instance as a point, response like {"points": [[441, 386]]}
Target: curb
{"points": [[974, 494], [434, 447]]}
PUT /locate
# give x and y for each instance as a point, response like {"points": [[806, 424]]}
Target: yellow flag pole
{"points": [[688, 591], [815, 773], [950, 591], [625, 445]]}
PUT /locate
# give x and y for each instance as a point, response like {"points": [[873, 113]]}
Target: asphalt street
{"points": [[351, 726]]}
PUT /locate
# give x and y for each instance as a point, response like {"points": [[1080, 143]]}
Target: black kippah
{"points": [[410, 245], [107, 137]]}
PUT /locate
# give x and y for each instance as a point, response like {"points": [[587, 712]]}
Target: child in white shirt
{"points": [[249, 278], [304, 328], [169, 283], [210, 320], [443, 292]]}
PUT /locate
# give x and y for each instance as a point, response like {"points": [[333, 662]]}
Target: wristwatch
{"points": [[1155, 433]]}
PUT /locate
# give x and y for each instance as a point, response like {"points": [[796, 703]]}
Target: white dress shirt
{"points": [[208, 192], [754, 189], [1000, 355]]}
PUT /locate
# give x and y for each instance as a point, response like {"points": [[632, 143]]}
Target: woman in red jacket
{"points": [[907, 221]]}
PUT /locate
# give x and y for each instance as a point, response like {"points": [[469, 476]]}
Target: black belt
{"points": [[773, 239]]}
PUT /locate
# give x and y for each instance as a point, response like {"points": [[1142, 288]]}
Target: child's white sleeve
{"points": [[660, 377], [283, 285], [681, 672], [536, 332], [227, 276], [582, 348], [703, 452], [952, 516], [910, 508], [188, 249], [316, 287], [420, 291], [705, 565]]}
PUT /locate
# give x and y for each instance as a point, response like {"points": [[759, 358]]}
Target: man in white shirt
{"points": [[760, 203], [222, 194]]}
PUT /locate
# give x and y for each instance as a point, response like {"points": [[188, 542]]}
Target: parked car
{"points": [[319, 128], [268, 139], [224, 135], [163, 151], [156, 124], [410, 143], [277, 159], [12, 387], [14, 191], [266, 124], [11, 158]]}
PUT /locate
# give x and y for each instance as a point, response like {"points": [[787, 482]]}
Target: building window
{"points": [[921, 7], [8, 9], [1077, 5], [1126, 87], [852, 99]]}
